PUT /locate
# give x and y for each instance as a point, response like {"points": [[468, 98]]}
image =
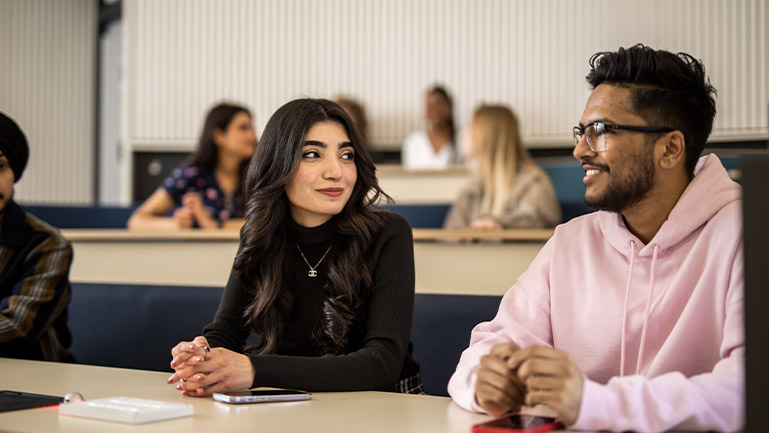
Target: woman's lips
{"points": [[331, 192]]}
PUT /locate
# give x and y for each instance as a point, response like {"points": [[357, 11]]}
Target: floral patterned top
{"points": [[202, 180]]}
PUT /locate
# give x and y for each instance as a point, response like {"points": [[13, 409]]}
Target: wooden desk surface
{"points": [[108, 235], [326, 412], [520, 235], [447, 261]]}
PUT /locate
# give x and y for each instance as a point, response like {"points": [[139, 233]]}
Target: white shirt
{"points": [[418, 154]]}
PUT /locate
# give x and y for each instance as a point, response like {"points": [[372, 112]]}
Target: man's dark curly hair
{"points": [[668, 90]]}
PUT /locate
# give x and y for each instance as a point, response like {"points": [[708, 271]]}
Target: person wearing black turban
{"points": [[34, 266], [13, 145]]}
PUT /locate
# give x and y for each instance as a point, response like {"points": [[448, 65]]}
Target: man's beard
{"points": [[629, 191]]}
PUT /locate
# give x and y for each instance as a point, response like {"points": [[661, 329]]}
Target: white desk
{"points": [[487, 266], [326, 412]]}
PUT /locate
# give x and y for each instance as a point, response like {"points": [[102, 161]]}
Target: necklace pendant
{"points": [[312, 273]]}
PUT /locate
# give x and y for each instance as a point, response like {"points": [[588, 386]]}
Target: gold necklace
{"points": [[312, 272]]}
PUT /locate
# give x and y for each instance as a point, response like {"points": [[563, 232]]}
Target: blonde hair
{"points": [[497, 147]]}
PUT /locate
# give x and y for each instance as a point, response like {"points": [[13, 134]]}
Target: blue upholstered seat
{"points": [[135, 326]]}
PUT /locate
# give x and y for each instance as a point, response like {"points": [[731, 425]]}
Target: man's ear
{"points": [[674, 150]]}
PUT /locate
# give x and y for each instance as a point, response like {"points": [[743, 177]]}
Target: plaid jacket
{"points": [[34, 288]]}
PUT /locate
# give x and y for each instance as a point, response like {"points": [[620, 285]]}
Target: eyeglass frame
{"points": [[579, 131]]}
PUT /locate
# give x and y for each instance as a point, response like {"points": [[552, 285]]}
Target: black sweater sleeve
{"points": [[228, 329], [374, 366]]}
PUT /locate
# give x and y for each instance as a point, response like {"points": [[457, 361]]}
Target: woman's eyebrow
{"points": [[324, 145]]}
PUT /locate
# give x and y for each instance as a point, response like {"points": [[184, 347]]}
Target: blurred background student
{"points": [[509, 190], [435, 147], [207, 191], [34, 266], [324, 280], [357, 113]]}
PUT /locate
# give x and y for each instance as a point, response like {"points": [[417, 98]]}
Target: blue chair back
{"points": [[441, 332]]}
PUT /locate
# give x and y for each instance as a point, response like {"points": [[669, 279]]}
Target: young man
{"points": [[630, 318], [34, 267]]}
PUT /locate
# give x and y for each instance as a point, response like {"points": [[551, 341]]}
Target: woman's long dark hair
{"points": [[265, 242], [207, 153]]}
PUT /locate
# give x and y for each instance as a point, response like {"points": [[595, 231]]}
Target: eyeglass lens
{"points": [[594, 134]]}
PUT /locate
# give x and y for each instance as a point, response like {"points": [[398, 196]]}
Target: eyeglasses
{"points": [[595, 133]]}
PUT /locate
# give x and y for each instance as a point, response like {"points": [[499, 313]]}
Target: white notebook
{"points": [[126, 410]]}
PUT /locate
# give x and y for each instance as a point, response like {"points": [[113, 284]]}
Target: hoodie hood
{"points": [[709, 191]]}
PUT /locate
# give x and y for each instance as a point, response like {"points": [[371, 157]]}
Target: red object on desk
{"points": [[518, 424]]}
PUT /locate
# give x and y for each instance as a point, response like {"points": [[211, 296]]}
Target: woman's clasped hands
{"points": [[192, 211], [200, 370]]}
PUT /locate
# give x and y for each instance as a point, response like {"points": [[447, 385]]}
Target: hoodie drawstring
{"points": [[648, 307], [624, 310]]}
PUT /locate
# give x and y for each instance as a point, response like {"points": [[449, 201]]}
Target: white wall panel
{"points": [[183, 56], [47, 55], [110, 158]]}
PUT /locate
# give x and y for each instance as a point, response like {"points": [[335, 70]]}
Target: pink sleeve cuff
{"points": [[462, 391], [597, 408]]}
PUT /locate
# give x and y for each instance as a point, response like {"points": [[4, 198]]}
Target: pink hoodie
{"points": [[656, 329]]}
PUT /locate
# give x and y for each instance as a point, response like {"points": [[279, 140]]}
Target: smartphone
{"points": [[518, 423], [261, 396]]}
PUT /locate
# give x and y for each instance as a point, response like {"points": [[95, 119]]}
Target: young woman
{"points": [[207, 190], [510, 190], [434, 148], [324, 281]]}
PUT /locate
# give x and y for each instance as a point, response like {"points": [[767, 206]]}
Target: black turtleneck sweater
{"points": [[379, 350]]}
